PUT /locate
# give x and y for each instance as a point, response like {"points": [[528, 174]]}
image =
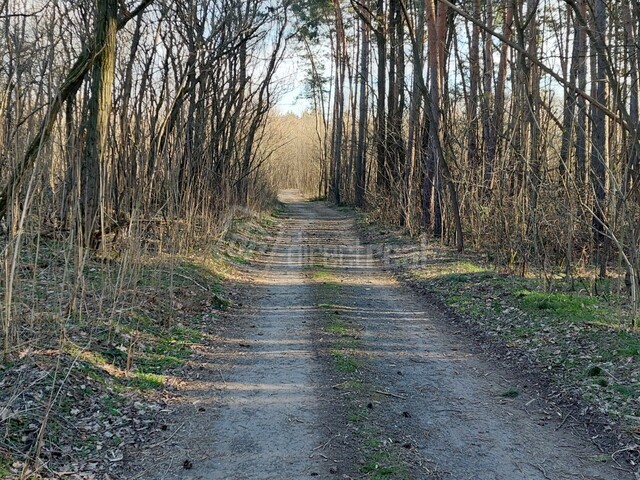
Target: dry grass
{"points": [[93, 356]]}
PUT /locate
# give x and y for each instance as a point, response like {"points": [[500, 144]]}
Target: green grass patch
{"points": [[146, 381], [5, 467], [112, 405], [181, 333], [345, 363], [169, 351], [626, 344], [158, 363], [268, 221], [321, 273], [601, 381], [383, 464], [564, 306], [221, 303], [616, 345], [237, 258], [357, 415], [167, 347], [462, 266], [457, 277], [353, 385], [185, 273], [347, 342], [510, 393], [625, 390], [112, 355], [372, 442], [338, 327]]}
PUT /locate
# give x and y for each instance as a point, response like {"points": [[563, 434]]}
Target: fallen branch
{"points": [[539, 467], [630, 448], [389, 394], [326, 444]]}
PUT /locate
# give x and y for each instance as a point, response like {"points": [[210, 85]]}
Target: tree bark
{"points": [[360, 160], [95, 155], [599, 139]]}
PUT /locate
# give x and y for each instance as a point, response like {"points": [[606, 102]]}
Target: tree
{"points": [[340, 58], [94, 165], [360, 159], [599, 138]]}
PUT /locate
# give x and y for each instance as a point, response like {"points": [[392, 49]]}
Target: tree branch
{"points": [[69, 87]]}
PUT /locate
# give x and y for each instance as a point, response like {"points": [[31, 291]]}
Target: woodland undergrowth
{"points": [[573, 331], [90, 367]]}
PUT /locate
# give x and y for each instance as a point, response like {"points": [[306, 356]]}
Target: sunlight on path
{"points": [[267, 421]]}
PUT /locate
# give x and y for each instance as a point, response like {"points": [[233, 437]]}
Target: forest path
{"points": [[429, 398]]}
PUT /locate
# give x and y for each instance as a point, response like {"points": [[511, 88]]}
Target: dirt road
{"points": [[275, 409]]}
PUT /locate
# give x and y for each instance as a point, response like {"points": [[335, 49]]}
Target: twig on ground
{"points": [[157, 444], [186, 277], [326, 444], [389, 394], [415, 360], [629, 448], [539, 467], [565, 419]]}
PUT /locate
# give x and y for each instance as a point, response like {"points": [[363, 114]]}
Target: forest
{"points": [[507, 126], [134, 133]]}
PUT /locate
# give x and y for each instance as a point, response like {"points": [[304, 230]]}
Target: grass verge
{"points": [[560, 325], [86, 383], [380, 458]]}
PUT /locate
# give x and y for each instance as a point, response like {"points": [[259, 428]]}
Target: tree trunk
{"points": [[474, 85], [338, 105], [382, 179], [414, 147], [599, 139], [94, 161], [497, 119], [360, 160]]}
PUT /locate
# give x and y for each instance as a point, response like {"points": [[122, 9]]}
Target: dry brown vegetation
{"points": [[131, 140], [134, 132], [507, 126]]}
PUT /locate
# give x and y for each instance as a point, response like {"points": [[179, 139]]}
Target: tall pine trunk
{"points": [[360, 160]]}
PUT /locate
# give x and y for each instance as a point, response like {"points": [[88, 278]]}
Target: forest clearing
{"points": [[319, 238]]}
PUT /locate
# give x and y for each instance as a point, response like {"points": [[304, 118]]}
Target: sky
{"points": [[290, 77]]}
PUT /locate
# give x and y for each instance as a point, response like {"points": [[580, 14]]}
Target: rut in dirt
{"points": [[274, 414]]}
